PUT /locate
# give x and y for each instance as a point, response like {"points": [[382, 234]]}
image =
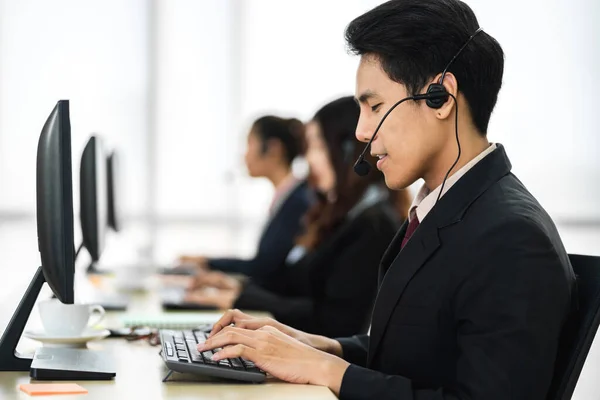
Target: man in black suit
{"points": [[475, 289]]}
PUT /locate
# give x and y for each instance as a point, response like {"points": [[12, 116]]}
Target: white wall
{"points": [[181, 88], [547, 111], [90, 52], [196, 117]]}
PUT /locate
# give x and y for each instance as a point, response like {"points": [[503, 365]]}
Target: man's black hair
{"points": [[414, 40]]}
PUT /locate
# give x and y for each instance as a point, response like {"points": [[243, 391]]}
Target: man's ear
{"points": [[451, 85]]}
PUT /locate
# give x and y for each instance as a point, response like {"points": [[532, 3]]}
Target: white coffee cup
{"points": [[68, 320]]}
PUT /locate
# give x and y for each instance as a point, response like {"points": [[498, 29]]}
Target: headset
{"points": [[435, 97]]}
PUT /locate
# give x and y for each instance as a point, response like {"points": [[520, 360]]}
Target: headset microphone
{"points": [[435, 99]]}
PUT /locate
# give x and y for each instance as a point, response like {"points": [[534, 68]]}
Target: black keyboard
{"points": [[180, 352]]}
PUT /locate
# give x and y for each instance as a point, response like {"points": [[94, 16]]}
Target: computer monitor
{"points": [[55, 203], [55, 230], [94, 208], [112, 177]]}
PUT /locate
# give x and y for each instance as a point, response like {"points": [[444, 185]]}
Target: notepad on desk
{"points": [[46, 389], [178, 320]]}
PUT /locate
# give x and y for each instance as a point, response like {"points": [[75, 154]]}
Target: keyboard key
{"points": [[180, 347], [178, 341], [189, 336], [197, 359], [195, 355], [200, 340], [192, 345], [169, 349], [208, 361], [236, 363], [207, 354], [253, 369], [200, 337], [224, 363], [247, 363]]}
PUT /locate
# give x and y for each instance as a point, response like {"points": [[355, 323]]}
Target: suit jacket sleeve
{"points": [[355, 348], [509, 311], [274, 246]]}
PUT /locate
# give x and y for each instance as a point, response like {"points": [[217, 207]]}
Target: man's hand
{"points": [[280, 355], [245, 321]]}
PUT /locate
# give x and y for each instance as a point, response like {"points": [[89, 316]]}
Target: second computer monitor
{"points": [[92, 188]]}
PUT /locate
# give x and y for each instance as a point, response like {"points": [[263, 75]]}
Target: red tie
{"points": [[412, 227]]}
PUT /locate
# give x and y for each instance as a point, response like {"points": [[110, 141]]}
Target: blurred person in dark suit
{"points": [[273, 144]]}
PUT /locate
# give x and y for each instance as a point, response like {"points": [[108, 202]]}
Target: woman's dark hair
{"points": [[290, 132], [337, 122], [414, 40]]}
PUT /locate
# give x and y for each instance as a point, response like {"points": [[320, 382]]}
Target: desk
{"points": [[140, 371]]}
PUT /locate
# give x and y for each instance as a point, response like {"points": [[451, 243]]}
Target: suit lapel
{"points": [[406, 264], [395, 275], [391, 252]]}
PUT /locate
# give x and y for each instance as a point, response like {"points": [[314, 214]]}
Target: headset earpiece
{"points": [[436, 95]]}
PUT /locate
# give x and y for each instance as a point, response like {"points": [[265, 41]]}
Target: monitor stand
{"points": [[73, 367], [10, 359], [71, 364]]}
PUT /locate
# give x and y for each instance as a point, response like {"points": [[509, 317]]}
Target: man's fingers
{"points": [[223, 322], [230, 336], [253, 323], [227, 319], [217, 327], [239, 350], [276, 333]]}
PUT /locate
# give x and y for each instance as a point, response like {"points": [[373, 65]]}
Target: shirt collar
{"points": [[425, 200]]}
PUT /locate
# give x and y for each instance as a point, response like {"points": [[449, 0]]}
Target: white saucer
{"points": [[73, 342]]}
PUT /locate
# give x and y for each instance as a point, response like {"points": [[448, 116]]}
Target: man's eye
{"points": [[376, 107]]}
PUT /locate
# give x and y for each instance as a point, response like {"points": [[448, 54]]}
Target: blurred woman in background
{"points": [[273, 144], [329, 279]]}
